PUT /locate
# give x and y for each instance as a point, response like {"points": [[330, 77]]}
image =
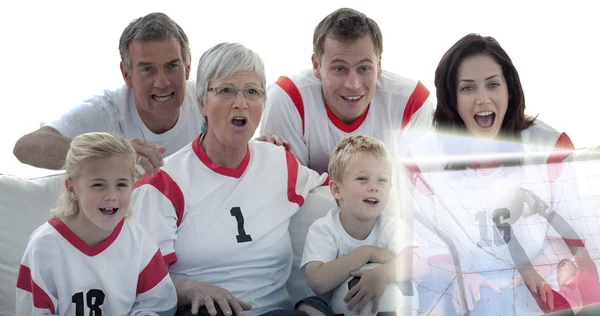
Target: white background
{"points": [[56, 53]]}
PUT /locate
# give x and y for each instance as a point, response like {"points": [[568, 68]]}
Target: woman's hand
{"points": [[205, 294]]}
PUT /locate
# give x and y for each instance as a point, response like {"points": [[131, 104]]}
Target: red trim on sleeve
{"points": [[292, 91], [414, 103], [41, 299], [170, 259], [163, 182], [292, 167], [154, 272], [562, 150], [574, 242], [78, 243]]}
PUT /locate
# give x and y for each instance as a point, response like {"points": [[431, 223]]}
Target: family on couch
{"points": [[215, 206]]}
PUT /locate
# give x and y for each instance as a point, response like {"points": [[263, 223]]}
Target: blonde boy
{"points": [[355, 233]]}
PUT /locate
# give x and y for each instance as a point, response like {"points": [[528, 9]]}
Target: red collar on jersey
{"points": [[229, 172], [343, 126], [74, 240]]}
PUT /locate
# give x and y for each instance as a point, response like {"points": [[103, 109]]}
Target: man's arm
{"points": [[44, 148], [48, 146]]}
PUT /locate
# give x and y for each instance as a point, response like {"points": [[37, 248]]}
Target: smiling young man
{"points": [[346, 92]]}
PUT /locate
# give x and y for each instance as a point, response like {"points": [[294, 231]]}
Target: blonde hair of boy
{"points": [[351, 146], [84, 148]]}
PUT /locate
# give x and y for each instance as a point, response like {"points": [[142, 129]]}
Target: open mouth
{"points": [[371, 201], [352, 99], [162, 97], [239, 121], [109, 210], [485, 119]]}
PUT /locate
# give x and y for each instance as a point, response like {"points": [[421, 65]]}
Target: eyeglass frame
{"points": [[237, 90]]}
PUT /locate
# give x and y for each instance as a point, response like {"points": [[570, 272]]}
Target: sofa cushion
{"points": [[24, 205]]}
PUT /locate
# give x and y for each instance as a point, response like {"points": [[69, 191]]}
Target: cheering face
{"points": [[482, 96], [157, 77], [233, 115], [103, 191], [364, 191], [348, 72]]}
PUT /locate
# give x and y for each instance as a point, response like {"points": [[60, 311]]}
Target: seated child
{"points": [[90, 259], [355, 233]]}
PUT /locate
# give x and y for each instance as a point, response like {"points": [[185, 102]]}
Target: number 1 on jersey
{"points": [[241, 236]]}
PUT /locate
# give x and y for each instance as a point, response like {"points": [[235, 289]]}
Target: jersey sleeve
{"points": [[417, 118], [320, 242], [282, 117], [155, 290], [89, 116], [565, 196], [158, 205], [301, 179], [33, 296]]}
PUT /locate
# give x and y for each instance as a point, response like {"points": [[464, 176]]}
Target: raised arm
{"points": [[47, 147], [44, 148]]}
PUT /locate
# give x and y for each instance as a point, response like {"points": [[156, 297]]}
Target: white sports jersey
{"points": [[327, 239], [460, 202], [115, 112], [62, 275], [228, 227], [297, 112]]}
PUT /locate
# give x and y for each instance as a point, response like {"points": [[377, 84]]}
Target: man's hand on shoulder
{"points": [[274, 139], [149, 156]]}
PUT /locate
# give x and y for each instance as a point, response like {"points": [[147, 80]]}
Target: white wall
{"points": [[56, 53]]}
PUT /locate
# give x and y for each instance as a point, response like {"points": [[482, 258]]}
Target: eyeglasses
{"points": [[230, 92]]}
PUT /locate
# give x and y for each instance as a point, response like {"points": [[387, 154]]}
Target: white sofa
{"points": [[25, 204]]}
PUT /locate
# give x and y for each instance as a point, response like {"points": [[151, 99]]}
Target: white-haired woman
{"points": [[220, 208]]}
